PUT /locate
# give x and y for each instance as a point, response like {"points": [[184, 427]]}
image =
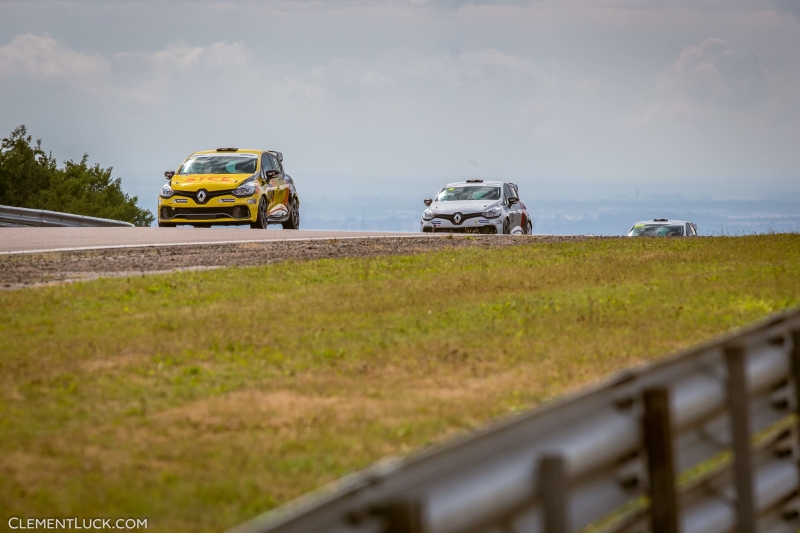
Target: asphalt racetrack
{"points": [[27, 240]]}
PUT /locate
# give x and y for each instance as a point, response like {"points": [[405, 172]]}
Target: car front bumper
{"points": [[221, 210], [471, 224]]}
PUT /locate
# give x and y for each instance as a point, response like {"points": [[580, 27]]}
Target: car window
{"points": [[468, 192], [265, 162], [508, 192], [693, 230], [656, 230], [219, 164], [275, 164]]}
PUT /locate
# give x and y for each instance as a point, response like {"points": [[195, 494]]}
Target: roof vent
{"points": [[474, 181], [660, 220], [227, 149]]}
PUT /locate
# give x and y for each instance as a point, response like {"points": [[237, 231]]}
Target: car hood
{"points": [[464, 206], [209, 182]]}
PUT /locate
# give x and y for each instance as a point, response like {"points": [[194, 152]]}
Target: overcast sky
{"points": [[571, 97]]}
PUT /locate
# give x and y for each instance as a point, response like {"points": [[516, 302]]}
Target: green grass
{"points": [[200, 399]]}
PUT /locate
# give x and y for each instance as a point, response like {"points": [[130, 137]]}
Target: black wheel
{"points": [[426, 229], [261, 218], [294, 217], [166, 224], [506, 228]]}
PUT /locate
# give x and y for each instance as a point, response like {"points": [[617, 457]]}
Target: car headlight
{"points": [[493, 212], [427, 215], [248, 188], [166, 191]]}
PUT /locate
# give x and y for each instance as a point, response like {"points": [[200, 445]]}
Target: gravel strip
{"points": [[24, 270]]}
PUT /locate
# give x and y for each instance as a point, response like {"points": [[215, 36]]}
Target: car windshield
{"points": [[468, 192], [220, 164], [656, 230]]}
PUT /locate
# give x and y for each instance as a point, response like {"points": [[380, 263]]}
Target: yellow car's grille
{"points": [[205, 213]]}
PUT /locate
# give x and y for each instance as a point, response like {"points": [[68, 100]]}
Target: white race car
{"points": [[477, 206], [663, 227]]}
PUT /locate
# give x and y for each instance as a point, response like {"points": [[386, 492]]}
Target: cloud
{"points": [[708, 75], [294, 87], [176, 56], [225, 55], [462, 72], [125, 76], [484, 66], [550, 81], [403, 69], [456, 4], [714, 72], [707, 6], [790, 6], [44, 58]]}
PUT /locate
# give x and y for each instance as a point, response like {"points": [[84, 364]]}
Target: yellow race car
{"points": [[229, 186]]}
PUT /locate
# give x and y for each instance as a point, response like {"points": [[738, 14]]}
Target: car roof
{"points": [[662, 222], [237, 151], [471, 182]]}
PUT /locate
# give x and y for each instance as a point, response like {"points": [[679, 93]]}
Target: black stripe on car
{"points": [[464, 216]]}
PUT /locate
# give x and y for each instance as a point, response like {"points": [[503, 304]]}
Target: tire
{"points": [[294, 217], [529, 227], [506, 227], [166, 224], [261, 217]]}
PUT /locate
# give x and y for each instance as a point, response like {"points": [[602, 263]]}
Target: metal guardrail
{"points": [[20, 216], [601, 454]]}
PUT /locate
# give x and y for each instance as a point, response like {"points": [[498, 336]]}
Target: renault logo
{"points": [[457, 218], [201, 196]]}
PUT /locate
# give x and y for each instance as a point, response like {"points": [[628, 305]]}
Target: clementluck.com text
{"points": [[77, 523]]}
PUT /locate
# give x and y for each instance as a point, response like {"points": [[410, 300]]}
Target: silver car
{"points": [[477, 206], [663, 227]]}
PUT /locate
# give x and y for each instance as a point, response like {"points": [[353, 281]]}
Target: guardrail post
{"points": [[660, 462], [401, 516], [796, 375], [740, 425], [553, 487]]}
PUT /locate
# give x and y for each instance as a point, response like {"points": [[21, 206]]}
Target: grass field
{"points": [[200, 399]]}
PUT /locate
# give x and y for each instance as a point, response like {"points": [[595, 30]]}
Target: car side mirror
{"points": [[512, 201], [428, 201], [168, 174], [272, 173]]}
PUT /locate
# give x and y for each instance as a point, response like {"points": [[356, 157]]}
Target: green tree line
{"points": [[30, 177]]}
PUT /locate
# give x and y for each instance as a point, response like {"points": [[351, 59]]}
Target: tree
{"points": [[29, 177], [25, 170]]}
